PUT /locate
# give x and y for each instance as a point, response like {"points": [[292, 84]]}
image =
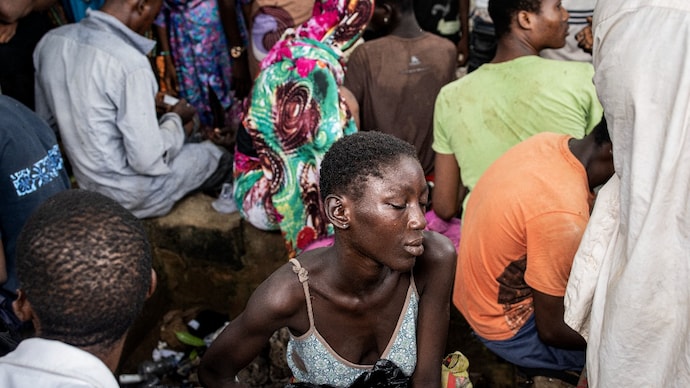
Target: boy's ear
{"points": [[524, 20], [22, 307], [337, 211], [154, 283]]}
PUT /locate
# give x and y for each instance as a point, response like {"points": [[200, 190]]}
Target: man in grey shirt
{"points": [[95, 82]]}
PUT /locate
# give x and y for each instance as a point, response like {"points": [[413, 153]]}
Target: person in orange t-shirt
{"points": [[522, 227]]}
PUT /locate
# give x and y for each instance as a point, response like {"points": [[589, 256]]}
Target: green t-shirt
{"points": [[480, 116]]}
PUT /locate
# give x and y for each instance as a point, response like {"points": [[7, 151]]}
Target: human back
{"points": [[512, 203], [511, 101]]}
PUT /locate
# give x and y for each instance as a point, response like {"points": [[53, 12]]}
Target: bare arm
{"points": [[553, 331], [448, 190], [434, 275], [242, 81], [269, 308], [553, 238], [13, 10], [464, 42]]}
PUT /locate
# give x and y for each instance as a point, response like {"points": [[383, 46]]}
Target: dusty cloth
{"points": [[629, 293], [396, 81], [517, 240], [481, 115]]}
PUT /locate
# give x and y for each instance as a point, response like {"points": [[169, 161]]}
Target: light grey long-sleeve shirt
{"points": [[94, 81]]}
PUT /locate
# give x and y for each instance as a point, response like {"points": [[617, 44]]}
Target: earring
{"points": [[345, 226], [385, 20]]}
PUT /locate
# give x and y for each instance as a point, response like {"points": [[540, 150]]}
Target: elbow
{"points": [[549, 337], [443, 212]]}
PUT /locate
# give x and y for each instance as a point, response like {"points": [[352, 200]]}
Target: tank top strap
{"points": [[303, 276]]}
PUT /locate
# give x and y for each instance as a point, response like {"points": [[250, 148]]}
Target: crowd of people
{"points": [[516, 160]]}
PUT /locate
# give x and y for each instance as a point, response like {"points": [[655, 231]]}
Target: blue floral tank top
{"points": [[324, 366]]}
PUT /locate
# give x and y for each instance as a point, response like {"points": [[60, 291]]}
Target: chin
{"points": [[406, 264]]}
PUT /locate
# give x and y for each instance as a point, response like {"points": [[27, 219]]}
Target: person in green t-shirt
{"points": [[518, 94]]}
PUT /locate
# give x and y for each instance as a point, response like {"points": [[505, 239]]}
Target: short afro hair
{"points": [[84, 264], [354, 158], [503, 11]]}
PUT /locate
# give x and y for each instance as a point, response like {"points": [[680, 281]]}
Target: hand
{"points": [[161, 107], [224, 137], [192, 125], [184, 110], [7, 32], [584, 38]]}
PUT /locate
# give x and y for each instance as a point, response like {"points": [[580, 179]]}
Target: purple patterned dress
{"points": [[199, 51]]}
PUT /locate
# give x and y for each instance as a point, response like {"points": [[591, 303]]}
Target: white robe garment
{"points": [[629, 291]]}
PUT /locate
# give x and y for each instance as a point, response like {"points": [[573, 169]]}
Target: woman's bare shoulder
{"points": [[437, 263]]}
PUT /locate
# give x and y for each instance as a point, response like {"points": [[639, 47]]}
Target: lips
{"points": [[415, 248]]}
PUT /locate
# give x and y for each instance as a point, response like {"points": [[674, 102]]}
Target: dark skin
{"points": [[529, 34], [463, 46], [391, 20], [584, 38], [241, 79], [358, 286], [548, 309], [12, 11]]}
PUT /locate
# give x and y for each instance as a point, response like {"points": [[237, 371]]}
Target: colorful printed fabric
{"points": [[200, 52], [272, 19], [296, 113]]}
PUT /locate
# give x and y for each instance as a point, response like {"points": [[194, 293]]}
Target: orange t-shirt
{"points": [[520, 231]]}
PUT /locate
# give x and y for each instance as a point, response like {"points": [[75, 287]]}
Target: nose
{"points": [[566, 14], [417, 218]]}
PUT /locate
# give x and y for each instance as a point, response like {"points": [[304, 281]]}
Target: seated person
{"points": [[382, 291], [84, 267], [31, 171], [520, 232], [518, 94], [298, 109], [95, 82], [397, 77]]}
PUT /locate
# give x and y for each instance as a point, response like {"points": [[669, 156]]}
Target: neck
{"points": [[407, 27], [353, 274], [109, 355], [585, 151], [511, 46]]}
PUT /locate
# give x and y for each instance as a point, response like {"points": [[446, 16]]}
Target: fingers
{"points": [[7, 32]]}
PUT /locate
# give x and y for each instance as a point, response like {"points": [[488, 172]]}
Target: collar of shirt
{"points": [[103, 21]]}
